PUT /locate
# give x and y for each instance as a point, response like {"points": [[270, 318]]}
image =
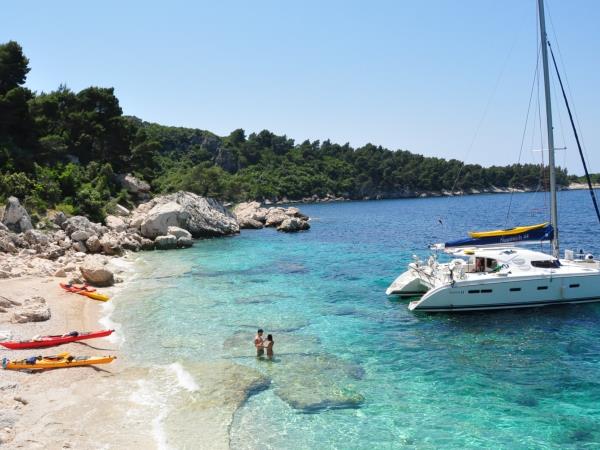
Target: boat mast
{"points": [[549, 128]]}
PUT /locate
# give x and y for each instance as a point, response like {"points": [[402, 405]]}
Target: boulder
{"points": [[79, 246], [60, 273], [34, 309], [161, 217], [248, 223], [165, 242], [111, 244], [53, 251], [15, 217], [293, 224], [119, 210], [95, 272], [58, 218], [115, 223], [81, 223], [250, 211], [179, 232], [3, 227], [7, 242], [93, 244], [184, 242], [132, 184], [147, 244], [130, 243], [34, 237], [275, 217], [81, 235], [202, 217]]}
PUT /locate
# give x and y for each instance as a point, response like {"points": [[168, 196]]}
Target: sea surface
{"points": [[355, 369]]}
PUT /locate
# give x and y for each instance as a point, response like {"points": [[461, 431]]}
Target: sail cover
{"points": [[539, 234]]}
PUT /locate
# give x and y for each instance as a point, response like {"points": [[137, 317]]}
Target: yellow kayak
{"points": [[55, 362], [507, 232], [94, 295]]}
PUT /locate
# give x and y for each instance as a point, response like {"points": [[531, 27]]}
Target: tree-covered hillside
{"points": [[62, 149]]}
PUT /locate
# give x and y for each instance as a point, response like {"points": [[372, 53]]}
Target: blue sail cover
{"points": [[541, 234]]}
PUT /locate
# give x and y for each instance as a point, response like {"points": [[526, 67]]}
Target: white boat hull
{"points": [[511, 292]]}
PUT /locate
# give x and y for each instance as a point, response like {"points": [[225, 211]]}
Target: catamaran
{"points": [[491, 270]]}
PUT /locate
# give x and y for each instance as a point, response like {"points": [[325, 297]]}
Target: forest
{"points": [[62, 149]]}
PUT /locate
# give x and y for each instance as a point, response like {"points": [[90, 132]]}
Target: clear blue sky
{"points": [[415, 75]]}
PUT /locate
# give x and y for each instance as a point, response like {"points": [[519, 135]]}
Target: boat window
{"points": [[491, 263], [546, 264], [515, 289], [486, 291], [479, 264], [574, 285], [541, 288], [474, 291]]}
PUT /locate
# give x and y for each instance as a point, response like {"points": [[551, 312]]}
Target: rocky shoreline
{"points": [[75, 249], [79, 249], [406, 194]]}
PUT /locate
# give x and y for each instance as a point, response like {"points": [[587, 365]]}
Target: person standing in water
{"points": [[259, 342], [269, 346]]}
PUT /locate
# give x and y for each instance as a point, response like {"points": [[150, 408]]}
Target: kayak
{"points": [[94, 295], [85, 290], [507, 232], [55, 362], [50, 341], [76, 288]]}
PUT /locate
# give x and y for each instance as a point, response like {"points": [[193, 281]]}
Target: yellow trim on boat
{"points": [[507, 232]]}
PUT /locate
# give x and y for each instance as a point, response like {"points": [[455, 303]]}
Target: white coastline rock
{"points": [[293, 224], [166, 242], [202, 217], [94, 271], [115, 223], [184, 242], [275, 217], [15, 216], [179, 232], [161, 217], [34, 309], [249, 214]]}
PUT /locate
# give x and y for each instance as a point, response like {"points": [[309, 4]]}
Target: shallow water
{"points": [[354, 368]]}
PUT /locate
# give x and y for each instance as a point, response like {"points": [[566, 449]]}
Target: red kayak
{"points": [[51, 341], [77, 289]]}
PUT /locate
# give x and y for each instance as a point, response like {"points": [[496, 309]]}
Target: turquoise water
{"points": [[355, 369]]}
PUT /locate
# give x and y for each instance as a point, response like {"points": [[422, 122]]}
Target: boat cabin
{"points": [[490, 260]]}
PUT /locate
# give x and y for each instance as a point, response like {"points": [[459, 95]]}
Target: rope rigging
{"points": [[587, 174]]}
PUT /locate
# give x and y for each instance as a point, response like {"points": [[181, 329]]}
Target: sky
{"points": [[441, 78]]}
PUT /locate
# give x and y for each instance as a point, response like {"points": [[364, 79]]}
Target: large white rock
{"points": [[95, 272], [293, 224], [249, 213], [202, 217], [179, 232], [15, 217], [161, 217], [275, 217], [115, 223]]}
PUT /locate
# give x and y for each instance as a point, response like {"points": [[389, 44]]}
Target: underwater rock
{"points": [[314, 383]]}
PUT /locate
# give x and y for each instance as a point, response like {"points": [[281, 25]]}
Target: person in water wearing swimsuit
{"points": [[259, 342], [269, 346]]}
